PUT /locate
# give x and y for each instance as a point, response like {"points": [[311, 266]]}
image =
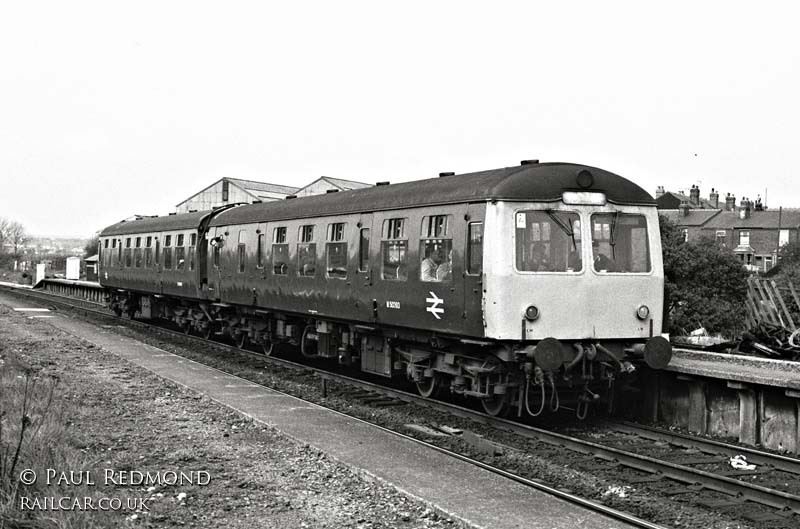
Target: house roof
{"points": [[770, 219], [541, 182], [695, 217], [704, 204]]}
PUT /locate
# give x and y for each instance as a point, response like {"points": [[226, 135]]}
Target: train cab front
{"points": [[577, 285]]}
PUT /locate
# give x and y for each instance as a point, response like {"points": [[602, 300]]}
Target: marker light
{"points": [[643, 312], [588, 198], [531, 313]]}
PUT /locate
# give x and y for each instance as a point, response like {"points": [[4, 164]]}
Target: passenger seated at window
{"points": [[430, 264], [444, 272], [602, 263], [540, 261]]}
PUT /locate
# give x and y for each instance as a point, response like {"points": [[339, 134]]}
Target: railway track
{"points": [[699, 468]]}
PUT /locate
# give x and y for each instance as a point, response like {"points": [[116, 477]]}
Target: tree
{"points": [[92, 246], [3, 233], [16, 235], [705, 285]]}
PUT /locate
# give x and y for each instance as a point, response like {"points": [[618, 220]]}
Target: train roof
{"points": [[540, 182], [183, 221], [543, 182]]}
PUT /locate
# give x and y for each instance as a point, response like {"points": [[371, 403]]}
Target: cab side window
{"points": [[241, 252], [475, 248], [394, 250], [436, 249]]}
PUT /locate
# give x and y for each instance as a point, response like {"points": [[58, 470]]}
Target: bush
{"points": [[705, 285]]}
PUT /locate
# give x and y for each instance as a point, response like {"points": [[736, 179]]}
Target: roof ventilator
{"points": [[448, 173], [289, 197], [386, 183], [529, 162]]}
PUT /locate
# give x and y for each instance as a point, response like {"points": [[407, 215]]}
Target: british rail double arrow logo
{"points": [[434, 308]]}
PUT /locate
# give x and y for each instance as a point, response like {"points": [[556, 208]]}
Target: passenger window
{"points": [[192, 249], [620, 243], [260, 251], [241, 251], [363, 250], [548, 241], [394, 250], [306, 252], [475, 248], [280, 252], [148, 257], [167, 252], [336, 251], [137, 257], [119, 254], [436, 249]]}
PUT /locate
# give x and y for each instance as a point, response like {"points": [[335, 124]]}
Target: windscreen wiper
{"points": [[612, 242], [566, 228]]}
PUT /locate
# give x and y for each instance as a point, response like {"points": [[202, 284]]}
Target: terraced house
{"points": [[753, 232]]}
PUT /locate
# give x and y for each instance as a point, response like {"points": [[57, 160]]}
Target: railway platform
{"points": [[475, 497], [752, 399]]}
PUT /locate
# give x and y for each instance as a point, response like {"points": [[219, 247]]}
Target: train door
{"points": [[202, 263], [157, 261], [365, 268], [473, 269], [214, 243]]}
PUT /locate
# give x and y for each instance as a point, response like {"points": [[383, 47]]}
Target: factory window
{"points": [[241, 250], [363, 250], [128, 242], [193, 239], [137, 257], [620, 243], [106, 244], [113, 243], [138, 242], [720, 237], [548, 241], [167, 240], [180, 240], [475, 248], [225, 190], [336, 251], [260, 251], [306, 252], [148, 242], [436, 249], [394, 250], [744, 238]]}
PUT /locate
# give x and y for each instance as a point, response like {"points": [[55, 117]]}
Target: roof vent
{"points": [[192, 211], [289, 197], [448, 173], [529, 162], [256, 202], [173, 213], [331, 191], [386, 183]]}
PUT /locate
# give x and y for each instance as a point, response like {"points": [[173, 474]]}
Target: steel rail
{"points": [[724, 484], [401, 395], [759, 457]]}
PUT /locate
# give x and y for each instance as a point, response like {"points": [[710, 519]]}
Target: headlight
{"points": [[531, 313], [643, 312]]}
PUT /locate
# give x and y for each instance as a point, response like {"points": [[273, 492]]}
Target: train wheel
{"points": [[495, 405], [267, 347], [207, 332], [241, 340], [429, 387]]}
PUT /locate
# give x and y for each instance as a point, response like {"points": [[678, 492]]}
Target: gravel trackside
{"points": [[124, 418]]}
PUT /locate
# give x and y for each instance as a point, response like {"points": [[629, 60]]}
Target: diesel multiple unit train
{"points": [[515, 286]]}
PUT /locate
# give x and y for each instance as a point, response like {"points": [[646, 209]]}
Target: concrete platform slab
{"points": [[749, 369]]}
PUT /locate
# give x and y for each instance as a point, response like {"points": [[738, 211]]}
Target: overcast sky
{"points": [[109, 111]]}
